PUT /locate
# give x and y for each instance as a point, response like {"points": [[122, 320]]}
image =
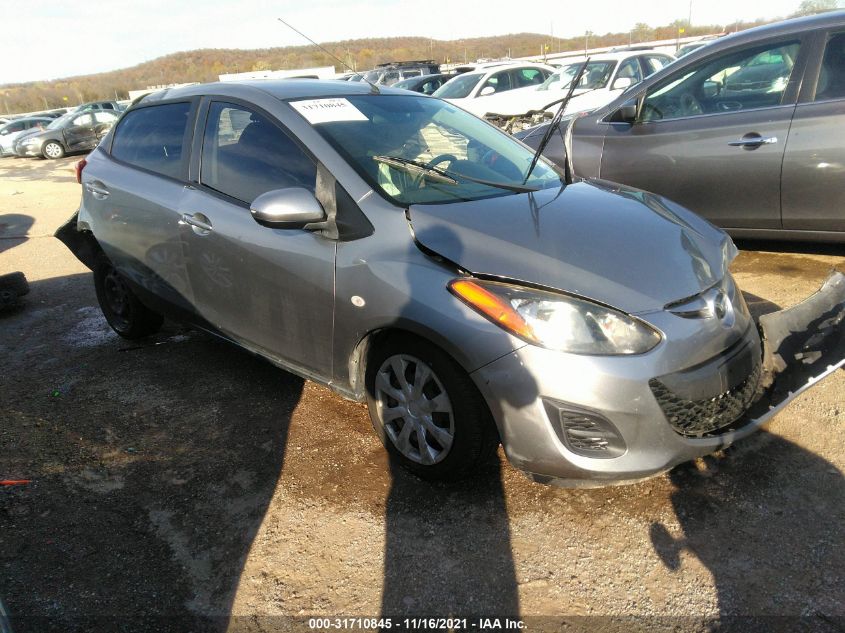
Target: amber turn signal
{"points": [[492, 306]]}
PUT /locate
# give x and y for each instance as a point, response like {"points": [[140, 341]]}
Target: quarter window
{"points": [[153, 138], [244, 155], [747, 79], [831, 83]]}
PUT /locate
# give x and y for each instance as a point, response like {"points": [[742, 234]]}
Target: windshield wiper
{"points": [[416, 167], [556, 119], [444, 176]]}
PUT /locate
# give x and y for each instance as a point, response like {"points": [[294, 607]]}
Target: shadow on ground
{"points": [[152, 467]]}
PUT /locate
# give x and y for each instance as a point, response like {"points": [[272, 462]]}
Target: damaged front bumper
{"points": [[601, 423]]}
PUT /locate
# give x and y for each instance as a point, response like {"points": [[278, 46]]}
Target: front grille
{"points": [[695, 418]]}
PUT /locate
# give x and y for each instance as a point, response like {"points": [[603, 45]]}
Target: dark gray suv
{"points": [[748, 131]]}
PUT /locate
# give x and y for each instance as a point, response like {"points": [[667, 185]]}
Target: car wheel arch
{"points": [[373, 340]]}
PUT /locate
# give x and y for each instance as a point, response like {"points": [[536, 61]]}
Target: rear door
{"points": [[711, 136], [133, 197], [813, 185], [271, 290]]}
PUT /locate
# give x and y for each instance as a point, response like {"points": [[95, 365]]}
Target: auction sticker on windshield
{"points": [[328, 110]]}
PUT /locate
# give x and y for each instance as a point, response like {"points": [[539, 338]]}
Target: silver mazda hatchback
{"points": [[406, 253]]}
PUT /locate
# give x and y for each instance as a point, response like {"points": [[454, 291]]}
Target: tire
{"points": [[124, 312], [52, 149], [444, 438]]}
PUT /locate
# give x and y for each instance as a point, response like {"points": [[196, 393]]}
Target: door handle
{"points": [[98, 190], [754, 141], [198, 222]]}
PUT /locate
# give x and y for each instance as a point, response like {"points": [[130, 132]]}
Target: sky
{"points": [[62, 39]]}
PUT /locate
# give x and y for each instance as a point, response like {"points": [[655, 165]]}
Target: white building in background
{"points": [[323, 72]]}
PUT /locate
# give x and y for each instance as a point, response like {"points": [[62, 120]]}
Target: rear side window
{"points": [[244, 155], [153, 138]]}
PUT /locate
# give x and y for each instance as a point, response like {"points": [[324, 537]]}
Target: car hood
{"points": [[33, 134], [613, 244]]}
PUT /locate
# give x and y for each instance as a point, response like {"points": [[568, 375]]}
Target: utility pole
{"points": [[587, 35]]}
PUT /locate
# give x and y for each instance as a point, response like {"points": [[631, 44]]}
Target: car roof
{"points": [[784, 27], [612, 57], [280, 88]]}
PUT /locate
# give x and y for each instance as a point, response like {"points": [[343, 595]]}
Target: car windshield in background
{"points": [[418, 150], [459, 87], [596, 76]]}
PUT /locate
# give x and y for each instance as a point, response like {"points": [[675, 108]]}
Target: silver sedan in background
{"points": [[407, 254]]}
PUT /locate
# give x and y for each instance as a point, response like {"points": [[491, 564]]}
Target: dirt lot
{"points": [[183, 485]]}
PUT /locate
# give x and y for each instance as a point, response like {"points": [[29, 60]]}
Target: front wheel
{"points": [[427, 412], [124, 312], [53, 149]]}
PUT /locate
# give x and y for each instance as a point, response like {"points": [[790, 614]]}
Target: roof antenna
{"points": [[373, 88]]}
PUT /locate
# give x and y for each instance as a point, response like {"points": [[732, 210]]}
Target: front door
{"points": [[711, 137], [271, 290], [79, 133], [814, 164]]}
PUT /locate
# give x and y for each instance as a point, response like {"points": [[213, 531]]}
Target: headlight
{"points": [[556, 321], [31, 141]]}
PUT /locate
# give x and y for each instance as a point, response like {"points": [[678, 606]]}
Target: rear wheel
{"points": [[53, 149], [427, 411], [124, 312]]}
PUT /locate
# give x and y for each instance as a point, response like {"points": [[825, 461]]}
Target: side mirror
{"points": [[4, 132], [486, 91], [621, 83], [290, 208], [627, 113]]}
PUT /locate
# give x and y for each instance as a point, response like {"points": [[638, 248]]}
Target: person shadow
{"points": [[152, 467], [792, 579], [447, 551]]}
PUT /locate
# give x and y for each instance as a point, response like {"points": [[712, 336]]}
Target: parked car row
{"points": [[407, 254], [75, 131], [747, 131]]}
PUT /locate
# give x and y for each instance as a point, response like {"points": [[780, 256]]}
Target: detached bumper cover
{"points": [[801, 345]]}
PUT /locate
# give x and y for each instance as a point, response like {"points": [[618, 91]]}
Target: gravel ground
{"points": [[180, 484]]}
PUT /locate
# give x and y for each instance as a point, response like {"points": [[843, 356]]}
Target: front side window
{"points": [[459, 87], [82, 121], [244, 155], [595, 77], [394, 141], [153, 138], [105, 117], [630, 69], [500, 82], [653, 63], [529, 77], [831, 83], [741, 80]]}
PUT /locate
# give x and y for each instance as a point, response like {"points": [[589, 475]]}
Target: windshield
{"points": [[459, 87], [393, 141], [596, 76], [61, 121]]}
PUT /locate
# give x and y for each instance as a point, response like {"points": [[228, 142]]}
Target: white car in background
{"points": [[472, 90], [15, 128], [607, 75]]}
